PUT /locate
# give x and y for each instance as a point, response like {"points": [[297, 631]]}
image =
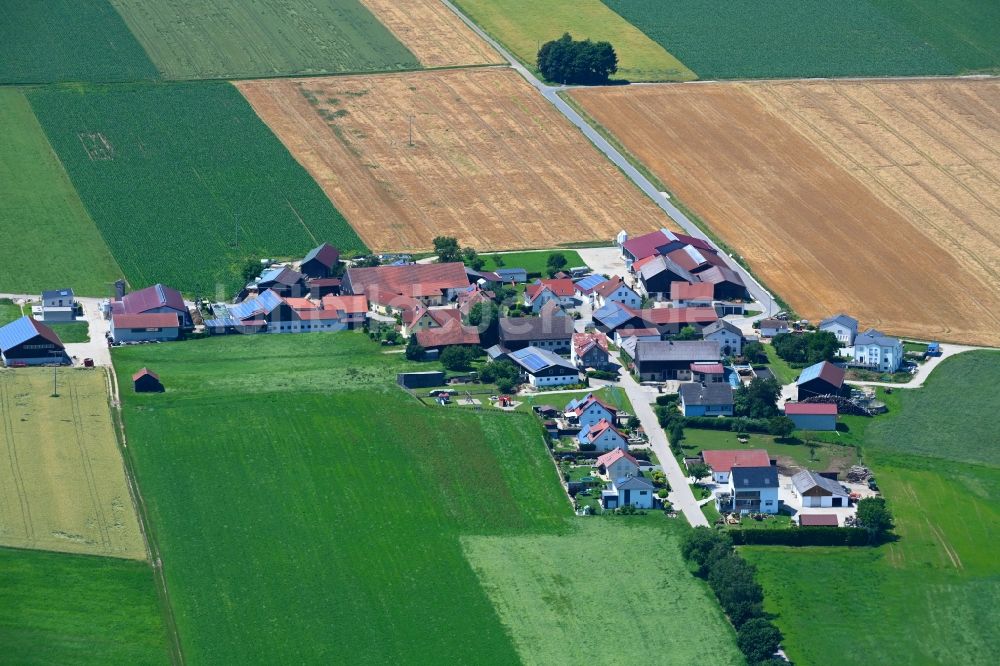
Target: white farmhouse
{"points": [[877, 351], [844, 327], [617, 464], [750, 490], [629, 491], [729, 337], [819, 491]]}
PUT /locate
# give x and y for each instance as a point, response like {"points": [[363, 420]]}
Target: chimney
{"points": [[119, 289]]}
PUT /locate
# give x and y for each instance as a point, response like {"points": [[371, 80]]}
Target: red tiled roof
{"points": [[726, 460], [561, 287], [301, 304], [582, 407], [818, 520], [717, 274], [640, 332], [660, 316], [452, 334], [148, 320], [708, 368], [411, 279], [683, 291], [613, 456], [348, 304], [583, 341], [608, 287], [144, 372], [324, 282], [811, 408], [637, 266], [600, 427], [318, 315], [151, 298]]}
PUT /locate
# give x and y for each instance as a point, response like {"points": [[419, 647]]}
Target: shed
{"points": [[146, 381], [818, 520], [420, 379], [812, 416]]}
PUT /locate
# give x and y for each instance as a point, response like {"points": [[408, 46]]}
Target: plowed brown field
{"points": [[433, 33], [491, 163], [878, 198]]}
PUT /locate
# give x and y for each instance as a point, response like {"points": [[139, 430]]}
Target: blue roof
{"points": [[810, 373], [265, 302], [589, 282], [18, 332], [534, 359], [613, 315]]}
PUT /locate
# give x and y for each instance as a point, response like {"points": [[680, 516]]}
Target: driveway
{"points": [[926, 368], [604, 260], [680, 492]]}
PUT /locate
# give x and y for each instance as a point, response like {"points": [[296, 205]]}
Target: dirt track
{"points": [[433, 33], [491, 162], [876, 198]]}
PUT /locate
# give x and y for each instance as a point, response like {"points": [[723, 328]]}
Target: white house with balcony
{"points": [[877, 351]]}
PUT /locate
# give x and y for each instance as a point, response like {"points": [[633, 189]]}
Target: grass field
{"points": [[784, 38], [492, 163], [886, 185], [185, 182], [522, 26], [9, 311], [62, 482], [533, 262], [205, 39], [68, 40], [74, 609], [783, 372], [930, 596], [553, 591], [791, 455], [387, 477], [434, 33], [40, 208], [73, 331]]}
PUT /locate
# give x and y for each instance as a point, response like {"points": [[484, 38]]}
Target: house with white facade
{"points": [[771, 327], [588, 410], [561, 291], [877, 351], [819, 491], [615, 290], [750, 490], [602, 436], [721, 462], [634, 491], [543, 368], [617, 464], [729, 337], [57, 305], [844, 327]]}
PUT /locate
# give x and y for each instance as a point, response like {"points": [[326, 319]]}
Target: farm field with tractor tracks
{"points": [[492, 163], [877, 198]]}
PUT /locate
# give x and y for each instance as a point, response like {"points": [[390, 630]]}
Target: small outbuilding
{"points": [[146, 381], [823, 378], [812, 415], [818, 520], [818, 491], [412, 380]]}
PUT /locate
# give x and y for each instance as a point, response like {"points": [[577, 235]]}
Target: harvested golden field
{"points": [[433, 33], [62, 484], [491, 161], [878, 198]]}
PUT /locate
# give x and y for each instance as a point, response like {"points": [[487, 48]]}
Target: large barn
{"points": [[26, 341]]}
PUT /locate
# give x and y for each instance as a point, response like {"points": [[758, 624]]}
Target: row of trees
{"points": [[741, 597], [448, 250], [806, 348]]}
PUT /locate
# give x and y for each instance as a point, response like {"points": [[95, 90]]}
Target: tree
{"points": [[758, 400], [251, 269], [806, 348], [555, 263], [781, 426], [676, 433], [371, 261], [485, 316], [633, 422], [699, 470], [414, 352], [472, 259], [758, 639], [457, 357], [754, 352], [565, 60], [498, 260], [446, 249], [874, 516], [499, 370], [688, 333], [699, 543]]}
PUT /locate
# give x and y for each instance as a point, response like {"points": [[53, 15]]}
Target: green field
{"points": [[73, 609], [524, 25], [9, 311], [784, 373], [533, 262], [801, 38], [68, 40], [40, 208], [929, 597], [794, 453], [205, 39], [73, 331], [185, 182], [563, 601], [326, 509]]}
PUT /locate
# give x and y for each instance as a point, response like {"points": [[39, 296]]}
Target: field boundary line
{"points": [[142, 513], [15, 468]]}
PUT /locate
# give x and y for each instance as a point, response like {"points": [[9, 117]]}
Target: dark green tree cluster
{"points": [[568, 61], [502, 373], [672, 421], [754, 352], [485, 317], [874, 517], [555, 263], [414, 352], [447, 250], [687, 333], [732, 580], [758, 399], [806, 348], [457, 357]]}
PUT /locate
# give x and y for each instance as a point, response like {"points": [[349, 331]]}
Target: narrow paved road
{"points": [[680, 492], [923, 372], [551, 93]]}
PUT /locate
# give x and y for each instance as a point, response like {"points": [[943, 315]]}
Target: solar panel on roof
{"points": [[590, 281]]}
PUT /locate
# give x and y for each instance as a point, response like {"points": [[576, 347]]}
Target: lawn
{"points": [[612, 395], [533, 262], [9, 311], [72, 331], [783, 372], [62, 484], [947, 418], [40, 208], [807, 38], [523, 26], [323, 506], [73, 609], [793, 453], [552, 592], [68, 40], [199, 39], [930, 596], [185, 183]]}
